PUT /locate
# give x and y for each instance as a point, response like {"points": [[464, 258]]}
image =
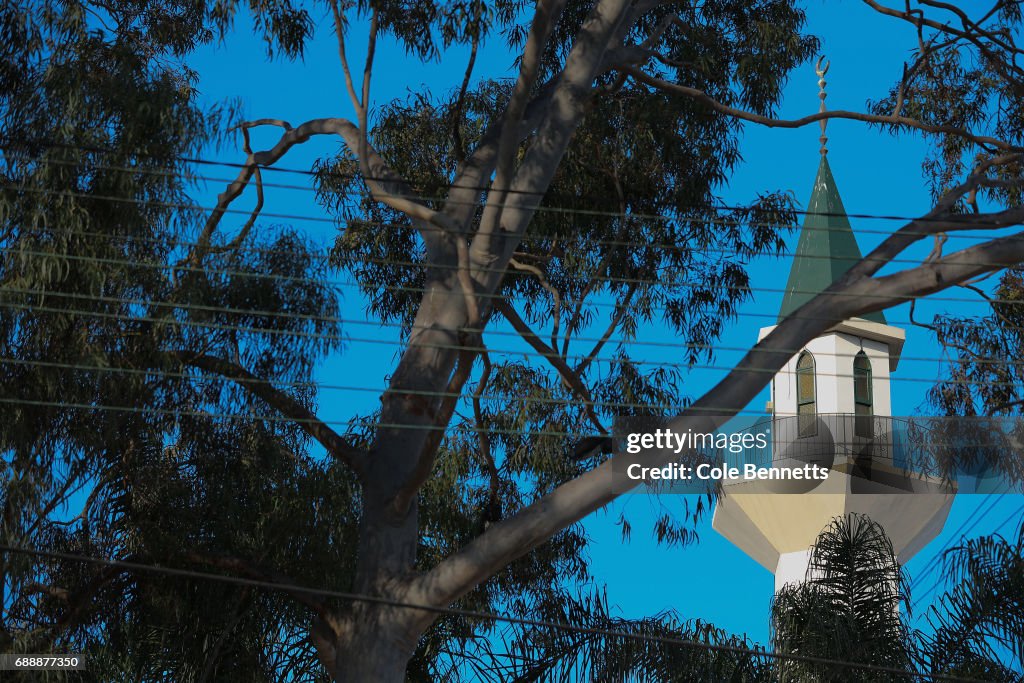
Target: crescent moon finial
{"points": [[817, 66]]}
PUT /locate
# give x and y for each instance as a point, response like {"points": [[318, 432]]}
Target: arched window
{"points": [[863, 403], [806, 400]]}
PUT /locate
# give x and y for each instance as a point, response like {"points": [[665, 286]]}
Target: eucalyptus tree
{"points": [[160, 359]]}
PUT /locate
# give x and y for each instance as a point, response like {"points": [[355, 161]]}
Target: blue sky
{"points": [[876, 174]]}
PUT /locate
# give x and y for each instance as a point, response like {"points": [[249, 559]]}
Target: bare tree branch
{"points": [[571, 501], [569, 377], [456, 114], [620, 312], [986, 141], [335, 444], [940, 219], [474, 172], [972, 31], [365, 103], [556, 298], [567, 107], [339, 30], [545, 17], [466, 282], [484, 440], [251, 221], [385, 185]]}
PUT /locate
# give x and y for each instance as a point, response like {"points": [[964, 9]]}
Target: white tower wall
{"points": [[833, 354], [777, 529]]}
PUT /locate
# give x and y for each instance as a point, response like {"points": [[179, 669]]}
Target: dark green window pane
{"points": [[862, 399], [862, 379], [805, 396]]}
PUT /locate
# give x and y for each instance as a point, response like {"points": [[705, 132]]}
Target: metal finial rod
{"points": [[822, 95]]}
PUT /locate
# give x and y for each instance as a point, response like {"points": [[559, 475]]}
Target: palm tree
{"points": [[648, 650], [980, 620], [851, 608], [847, 609]]}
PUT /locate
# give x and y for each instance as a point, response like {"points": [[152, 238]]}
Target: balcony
{"points": [[900, 453]]}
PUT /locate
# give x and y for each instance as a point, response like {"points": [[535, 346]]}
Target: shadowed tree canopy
{"points": [[157, 361], [850, 611]]}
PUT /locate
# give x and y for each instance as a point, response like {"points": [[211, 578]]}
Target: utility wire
{"points": [[178, 412], [484, 295], [422, 290], [972, 519], [282, 419], [198, 376], [469, 614], [639, 244], [197, 208], [481, 189], [958, 537], [402, 288], [667, 284], [381, 324], [526, 353]]}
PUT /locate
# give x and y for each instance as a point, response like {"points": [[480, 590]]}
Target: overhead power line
{"points": [[381, 324], [453, 611], [710, 220], [976, 515], [958, 537], [198, 376], [480, 189], [450, 346], [450, 267]]}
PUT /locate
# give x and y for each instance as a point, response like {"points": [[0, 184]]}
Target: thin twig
{"points": [[556, 298], [569, 377]]}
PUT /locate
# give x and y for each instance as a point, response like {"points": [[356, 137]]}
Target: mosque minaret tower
{"points": [[831, 404]]}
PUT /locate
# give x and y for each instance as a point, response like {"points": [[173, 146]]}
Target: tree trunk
{"points": [[372, 643], [375, 648]]}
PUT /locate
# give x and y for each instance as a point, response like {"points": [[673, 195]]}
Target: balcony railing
{"points": [[889, 449]]}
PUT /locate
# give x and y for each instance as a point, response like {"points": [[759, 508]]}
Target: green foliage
{"points": [[109, 447], [643, 653], [985, 375], [103, 297], [848, 608], [968, 84], [980, 618], [112, 447]]}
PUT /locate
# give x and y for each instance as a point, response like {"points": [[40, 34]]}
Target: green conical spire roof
{"points": [[827, 246]]}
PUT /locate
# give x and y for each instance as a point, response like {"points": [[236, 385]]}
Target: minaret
{"points": [[831, 405]]}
